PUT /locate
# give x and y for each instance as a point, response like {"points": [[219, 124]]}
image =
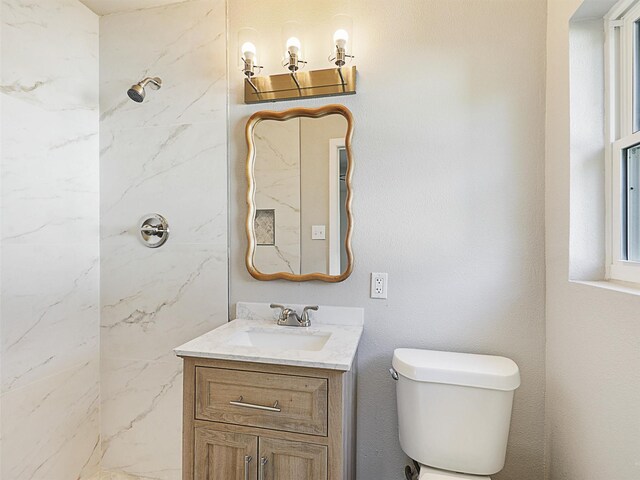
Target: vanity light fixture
{"points": [[293, 38], [291, 34], [340, 38], [249, 58], [342, 25], [247, 54], [295, 83], [292, 59], [292, 55], [249, 63]]}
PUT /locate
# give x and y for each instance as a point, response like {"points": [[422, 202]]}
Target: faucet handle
{"points": [[281, 307], [305, 312]]}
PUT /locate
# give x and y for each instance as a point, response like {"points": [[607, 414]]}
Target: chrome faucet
{"points": [[289, 317]]}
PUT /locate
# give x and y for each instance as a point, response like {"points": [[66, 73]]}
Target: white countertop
{"points": [[345, 326]]}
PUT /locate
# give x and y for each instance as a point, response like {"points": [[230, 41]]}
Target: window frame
{"points": [[622, 67]]}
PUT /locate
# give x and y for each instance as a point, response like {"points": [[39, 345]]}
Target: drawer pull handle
{"points": [[240, 403], [247, 461], [263, 462]]}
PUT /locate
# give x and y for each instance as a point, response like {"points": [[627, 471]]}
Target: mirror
{"points": [[299, 169]]}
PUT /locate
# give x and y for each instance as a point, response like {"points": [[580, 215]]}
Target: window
{"points": [[622, 106]]}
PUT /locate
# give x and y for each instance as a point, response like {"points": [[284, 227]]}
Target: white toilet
{"points": [[454, 411]]}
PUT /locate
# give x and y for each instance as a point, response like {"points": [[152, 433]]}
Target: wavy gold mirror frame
{"points": [[251, 189]]}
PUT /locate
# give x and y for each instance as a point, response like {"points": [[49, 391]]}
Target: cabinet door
{"points": [[224, 455], [286, 460]]}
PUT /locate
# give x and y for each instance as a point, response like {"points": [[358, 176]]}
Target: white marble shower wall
{"points": [[49, 202], [277, 173], [166, 155]]}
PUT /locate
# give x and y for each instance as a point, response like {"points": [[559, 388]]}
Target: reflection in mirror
{"points": [[301, 220]]}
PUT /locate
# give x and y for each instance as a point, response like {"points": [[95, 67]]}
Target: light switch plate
{"points": [[318, 232]]}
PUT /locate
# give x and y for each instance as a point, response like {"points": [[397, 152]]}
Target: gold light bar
{"points": [[290, 86]]}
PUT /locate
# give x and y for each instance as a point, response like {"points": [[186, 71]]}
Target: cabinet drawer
{"points": [[268, 400]]}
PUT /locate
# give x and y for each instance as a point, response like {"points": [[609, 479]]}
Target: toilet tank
{"points": [[454, 409]]}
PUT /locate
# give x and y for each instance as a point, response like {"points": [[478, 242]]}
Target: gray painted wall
{"points": [[593, 359], [449, 149]]}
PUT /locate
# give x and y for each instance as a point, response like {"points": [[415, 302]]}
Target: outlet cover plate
{"points": [[318, 232], [379, 283]]}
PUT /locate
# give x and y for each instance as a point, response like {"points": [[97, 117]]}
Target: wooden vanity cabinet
{"points": [[224, 455], [253, 421]]}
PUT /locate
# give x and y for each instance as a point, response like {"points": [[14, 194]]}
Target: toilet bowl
{"points": [[428, 473], [454, 411]]}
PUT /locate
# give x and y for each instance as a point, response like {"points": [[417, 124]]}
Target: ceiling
{"points": [[105, 7], [593, 9]]}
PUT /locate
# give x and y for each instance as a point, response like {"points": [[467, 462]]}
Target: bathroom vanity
{"points": [[267, 402]]}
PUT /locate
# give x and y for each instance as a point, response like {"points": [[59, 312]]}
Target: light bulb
{"points": [[340, 38], [293, 45], [249, 51]]}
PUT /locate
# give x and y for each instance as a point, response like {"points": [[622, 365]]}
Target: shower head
{"points": [[137, 92]]}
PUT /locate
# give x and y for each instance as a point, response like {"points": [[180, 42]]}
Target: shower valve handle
{"points": [[151, 230], [154, 230]]}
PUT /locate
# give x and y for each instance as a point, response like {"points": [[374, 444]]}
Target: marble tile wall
{"points": [[49, 199], [166, 155], [277, 173]]}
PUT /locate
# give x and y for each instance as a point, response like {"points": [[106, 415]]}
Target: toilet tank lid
{"points": [[466, 369]]}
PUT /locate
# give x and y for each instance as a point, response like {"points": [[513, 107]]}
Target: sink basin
{"points": [[279, 340]]}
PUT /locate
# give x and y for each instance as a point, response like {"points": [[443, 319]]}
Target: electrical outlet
{"points": [[379, 283], [318, 232]]}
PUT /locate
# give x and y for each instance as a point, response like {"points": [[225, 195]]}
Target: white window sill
{"points": [[615, 285]]}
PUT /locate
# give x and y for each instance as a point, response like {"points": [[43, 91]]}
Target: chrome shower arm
{"points": [[155, 82]]}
